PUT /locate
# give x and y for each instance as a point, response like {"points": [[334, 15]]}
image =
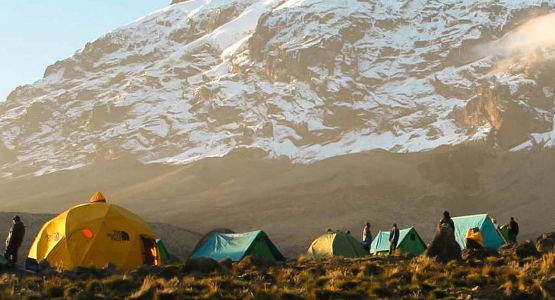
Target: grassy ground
{"points": [[376, 277]]}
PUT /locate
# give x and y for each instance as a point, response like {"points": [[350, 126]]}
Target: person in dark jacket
{"points": [[393, 239], [513, 230], [447, 221], [14, 240]]}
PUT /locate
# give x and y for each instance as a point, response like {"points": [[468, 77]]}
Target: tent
{"points": [[490, 235], [409, 242], [93, 235], [165, 255], [504, 232], [334, 243], [208, 235], [236, 246]]}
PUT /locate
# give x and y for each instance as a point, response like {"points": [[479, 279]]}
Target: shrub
{"points": [[55, 291], [548, 264]]}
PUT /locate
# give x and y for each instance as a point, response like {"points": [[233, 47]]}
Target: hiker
{"points": [[447, 221], [513, 230], [494, 221], [393, 239], [13, 242], [366, 236]]}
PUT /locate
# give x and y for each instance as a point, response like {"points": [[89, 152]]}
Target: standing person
{"points": [[447, 220], [14, 240], [366, 236], [393, 239], [513, 230], [494, 221]]}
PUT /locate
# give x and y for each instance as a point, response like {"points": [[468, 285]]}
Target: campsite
{"points": [[101, 250], [277, 149]]}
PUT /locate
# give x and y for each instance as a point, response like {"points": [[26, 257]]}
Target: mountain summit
{"points": [[302, 79]]}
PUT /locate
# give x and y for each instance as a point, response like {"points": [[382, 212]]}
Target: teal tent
{"points": [[236, 246], [491, 236], [409, 242]]}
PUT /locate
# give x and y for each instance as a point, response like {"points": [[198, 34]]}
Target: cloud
{"points": [[526, 46]]}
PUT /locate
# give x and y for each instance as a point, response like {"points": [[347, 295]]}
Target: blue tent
{"points": [[491, 236], [236, 246]]}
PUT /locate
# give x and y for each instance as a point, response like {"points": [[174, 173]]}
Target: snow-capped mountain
{"points": [[304, 79]]}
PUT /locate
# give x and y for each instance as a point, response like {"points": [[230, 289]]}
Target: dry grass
{"points": [[383, 277]]}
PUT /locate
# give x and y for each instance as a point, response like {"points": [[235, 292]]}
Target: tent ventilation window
{"points": [[87, 233]]}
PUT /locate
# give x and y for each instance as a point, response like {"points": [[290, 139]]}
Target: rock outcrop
{"points": [[444, 246]]}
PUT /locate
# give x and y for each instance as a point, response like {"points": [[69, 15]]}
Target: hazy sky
{"points": [[37, 33]]}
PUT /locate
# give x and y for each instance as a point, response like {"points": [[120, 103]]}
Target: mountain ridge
{"points": [[306, 80]]}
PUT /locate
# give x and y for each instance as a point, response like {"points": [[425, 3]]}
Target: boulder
{"points": [[228, 263], [444, 247], [255, 261], [548, 235], [525, 249], [201, 265], [44, 264], [545, 245], [145, 270], [478, 253], [82, 273], [45, 269], [109, 269]]}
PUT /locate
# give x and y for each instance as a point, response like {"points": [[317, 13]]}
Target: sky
{"points": [[36, 33]]}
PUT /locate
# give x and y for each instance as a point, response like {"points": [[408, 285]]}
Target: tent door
{"points": [[151, 253]]}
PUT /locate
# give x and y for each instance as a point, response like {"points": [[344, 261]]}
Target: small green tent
{"points": [[491, 236], [164, 254], [504, 231], [409, 242], [335, 244], [236, 246]]}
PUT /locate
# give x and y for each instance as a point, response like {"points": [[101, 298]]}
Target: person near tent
{"points": [[366, 236], [494, 221], [393, 239], [14, 240], [513, 230], [447, 221]]}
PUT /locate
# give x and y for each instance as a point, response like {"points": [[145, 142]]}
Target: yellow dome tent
{"points": [[335, 243], [94, 234]]}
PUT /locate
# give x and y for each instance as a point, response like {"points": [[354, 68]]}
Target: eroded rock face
{"points": [[306, 79]]}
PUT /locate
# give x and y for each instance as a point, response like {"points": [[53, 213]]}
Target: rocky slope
{"points": [[302, 79]]}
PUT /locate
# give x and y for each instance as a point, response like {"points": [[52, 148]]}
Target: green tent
{"points": [[409, 242], [164, 254], [335, 244], [236, 246], [492, 238], [504, 231]]}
